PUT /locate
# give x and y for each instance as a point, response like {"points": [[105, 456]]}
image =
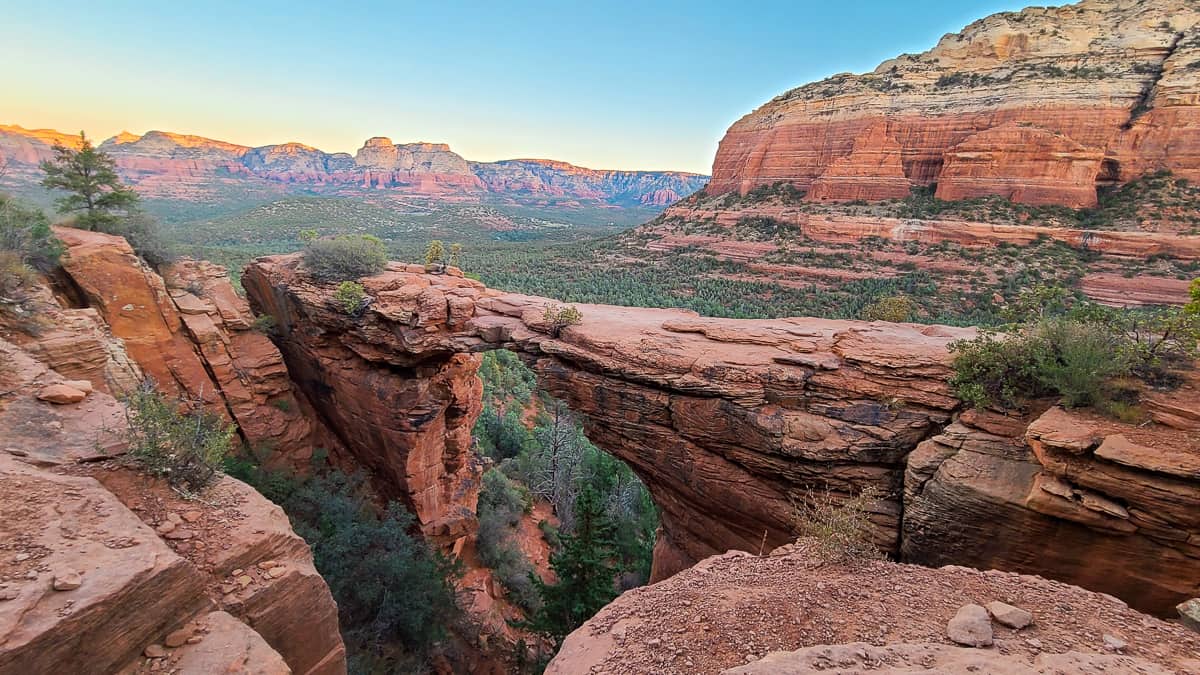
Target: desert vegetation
{"points": [[94, 198], [345, 257], [1084, 353], [179, 440]]}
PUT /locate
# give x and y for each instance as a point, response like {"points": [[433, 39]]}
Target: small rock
{"points": [[175, 518], [1034, 643], [1113, 643], [61, 394], [178, 533], [21, 557], [164, 527], [276, 572], [154, 652], [244, 580], [1007, 615], [67, 581], [192, 516], [970, 627], [267, 564], [238, 572], [8, 594], [177, 638], [653, 642], [1189, 613], [195, 639]]}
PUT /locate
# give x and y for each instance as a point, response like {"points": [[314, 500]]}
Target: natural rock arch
{"points": [[727, 422]]}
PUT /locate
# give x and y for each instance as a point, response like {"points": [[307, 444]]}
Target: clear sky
{"points": [[632, 85]]}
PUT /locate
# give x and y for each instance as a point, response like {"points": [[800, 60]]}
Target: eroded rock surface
{"points": [[793, 612]]}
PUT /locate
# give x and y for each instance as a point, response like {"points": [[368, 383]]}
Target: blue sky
{"points": [[608, 85]]}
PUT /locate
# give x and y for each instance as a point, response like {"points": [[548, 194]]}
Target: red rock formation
{"points": [[1038, 167], [794, 612], [1108, 86], [194, 338], [872, 170], [727, 422]]}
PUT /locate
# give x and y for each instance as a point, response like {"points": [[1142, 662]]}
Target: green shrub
{"points": [[26, 234], [350, 297], [1078, 360], [15, 276], [345, 257], [178, 440], [435, 253], [144, 234], [995, 370], [895, 308], [559, 317], [264, 323], [394, 592], [1067, 357]]}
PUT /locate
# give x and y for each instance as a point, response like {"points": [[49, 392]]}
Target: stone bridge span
{"points": [[728, 422]]}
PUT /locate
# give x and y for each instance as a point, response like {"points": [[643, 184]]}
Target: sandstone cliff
{"points": [[729, 422], [1041, 106]]}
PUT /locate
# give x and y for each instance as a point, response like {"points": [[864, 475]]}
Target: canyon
{"points": [[728, 422], [165, 165]]}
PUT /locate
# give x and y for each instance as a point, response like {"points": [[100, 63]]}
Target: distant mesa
{"points": [[1041, 106], [167, 165]]}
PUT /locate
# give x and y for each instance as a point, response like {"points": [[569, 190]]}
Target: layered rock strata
{"points": [[1041, 106]]}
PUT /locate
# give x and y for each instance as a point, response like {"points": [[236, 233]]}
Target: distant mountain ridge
{"points": [[167, 165]]}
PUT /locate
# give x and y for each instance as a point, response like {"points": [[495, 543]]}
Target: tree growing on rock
{"points": [[559, 317], [100, 201], [584, 568], [89, 177]]}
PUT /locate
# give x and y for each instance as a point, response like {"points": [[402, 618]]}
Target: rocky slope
{"points": [[729, 422], [739, 614], [107, 570], [1040, 106], [190, 168]]}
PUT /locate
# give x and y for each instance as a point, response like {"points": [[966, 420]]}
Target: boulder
{"points": [[61, 394], [971, 627]]}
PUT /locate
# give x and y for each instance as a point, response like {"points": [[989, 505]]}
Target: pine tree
{"points": [[585, 571], [90, 177]]}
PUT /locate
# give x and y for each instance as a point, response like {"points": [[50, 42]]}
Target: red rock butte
{"points": [[1042, 106]]}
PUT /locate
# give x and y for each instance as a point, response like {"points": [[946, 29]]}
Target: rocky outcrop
{"points": [[1112, 498], [165, 165], [794, 611], [106, 569], [1040, 105], [193, 335], [731, 422]]}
